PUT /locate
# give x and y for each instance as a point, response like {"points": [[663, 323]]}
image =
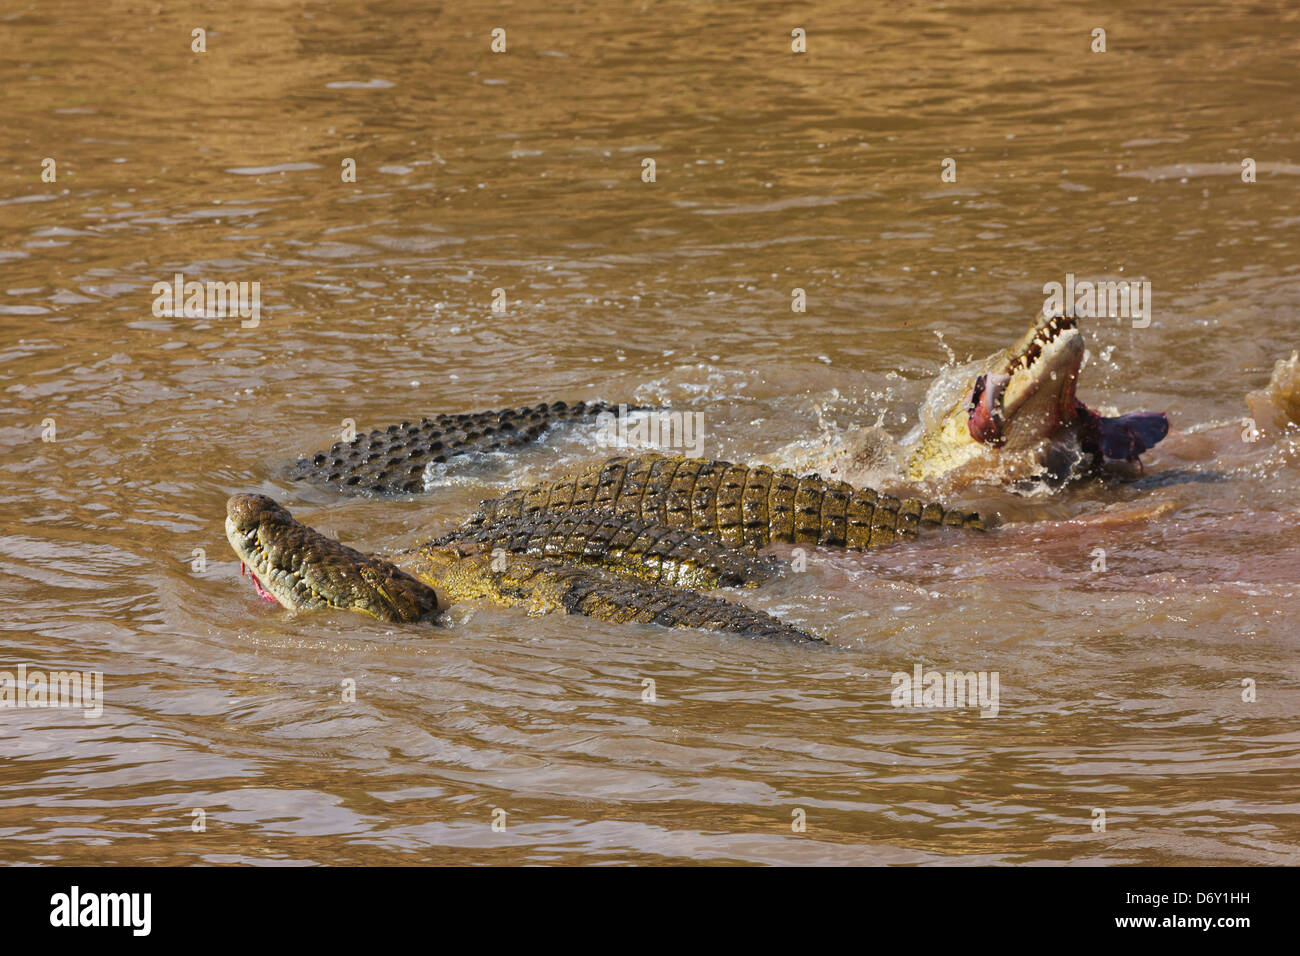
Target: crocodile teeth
{"points": [[1044, 337]]}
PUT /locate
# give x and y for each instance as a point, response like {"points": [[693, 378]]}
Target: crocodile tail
{"points": [[623, 544], [742, 505], [392, 460]]}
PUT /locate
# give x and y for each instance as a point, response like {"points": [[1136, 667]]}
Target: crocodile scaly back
{"points": [[740, 504], [392, 460]]}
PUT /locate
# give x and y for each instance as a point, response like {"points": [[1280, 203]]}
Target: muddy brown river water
{"points": [[1159, 695]]}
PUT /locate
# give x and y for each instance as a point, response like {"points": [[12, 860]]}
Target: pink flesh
{"points": [[1122, 438], [262, 592], [985, 421]]}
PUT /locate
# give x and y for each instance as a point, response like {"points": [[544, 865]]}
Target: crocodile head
{"points": [[303, 569], [1016, 414]]}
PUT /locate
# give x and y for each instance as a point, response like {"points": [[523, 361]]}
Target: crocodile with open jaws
{"points": [[1012, 417], [638, 538]]}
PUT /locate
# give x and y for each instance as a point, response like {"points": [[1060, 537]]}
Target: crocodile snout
{"points": [[246, 512]]}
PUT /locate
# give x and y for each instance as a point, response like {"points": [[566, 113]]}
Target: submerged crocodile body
{"points": [[470, 572], [637, 538], [633, 539]]}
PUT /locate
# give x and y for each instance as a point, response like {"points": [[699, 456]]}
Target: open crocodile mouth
{"points": [[1035, 388], [1034, 381], [302, 569]]}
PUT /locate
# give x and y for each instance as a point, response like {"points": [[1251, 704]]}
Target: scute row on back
{"points": [[622, 544], [741, 505], [392, 460]]}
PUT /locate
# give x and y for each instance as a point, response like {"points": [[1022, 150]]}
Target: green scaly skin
{"points": [[741, 505], [467, 572], [621, 544], [305, 570], [393, 460], [606, 543]]}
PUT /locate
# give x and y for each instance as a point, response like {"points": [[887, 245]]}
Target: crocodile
{"points": [[640, 537], [303, 569], [633, 539], [1012, 416], [1022, 402]]}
